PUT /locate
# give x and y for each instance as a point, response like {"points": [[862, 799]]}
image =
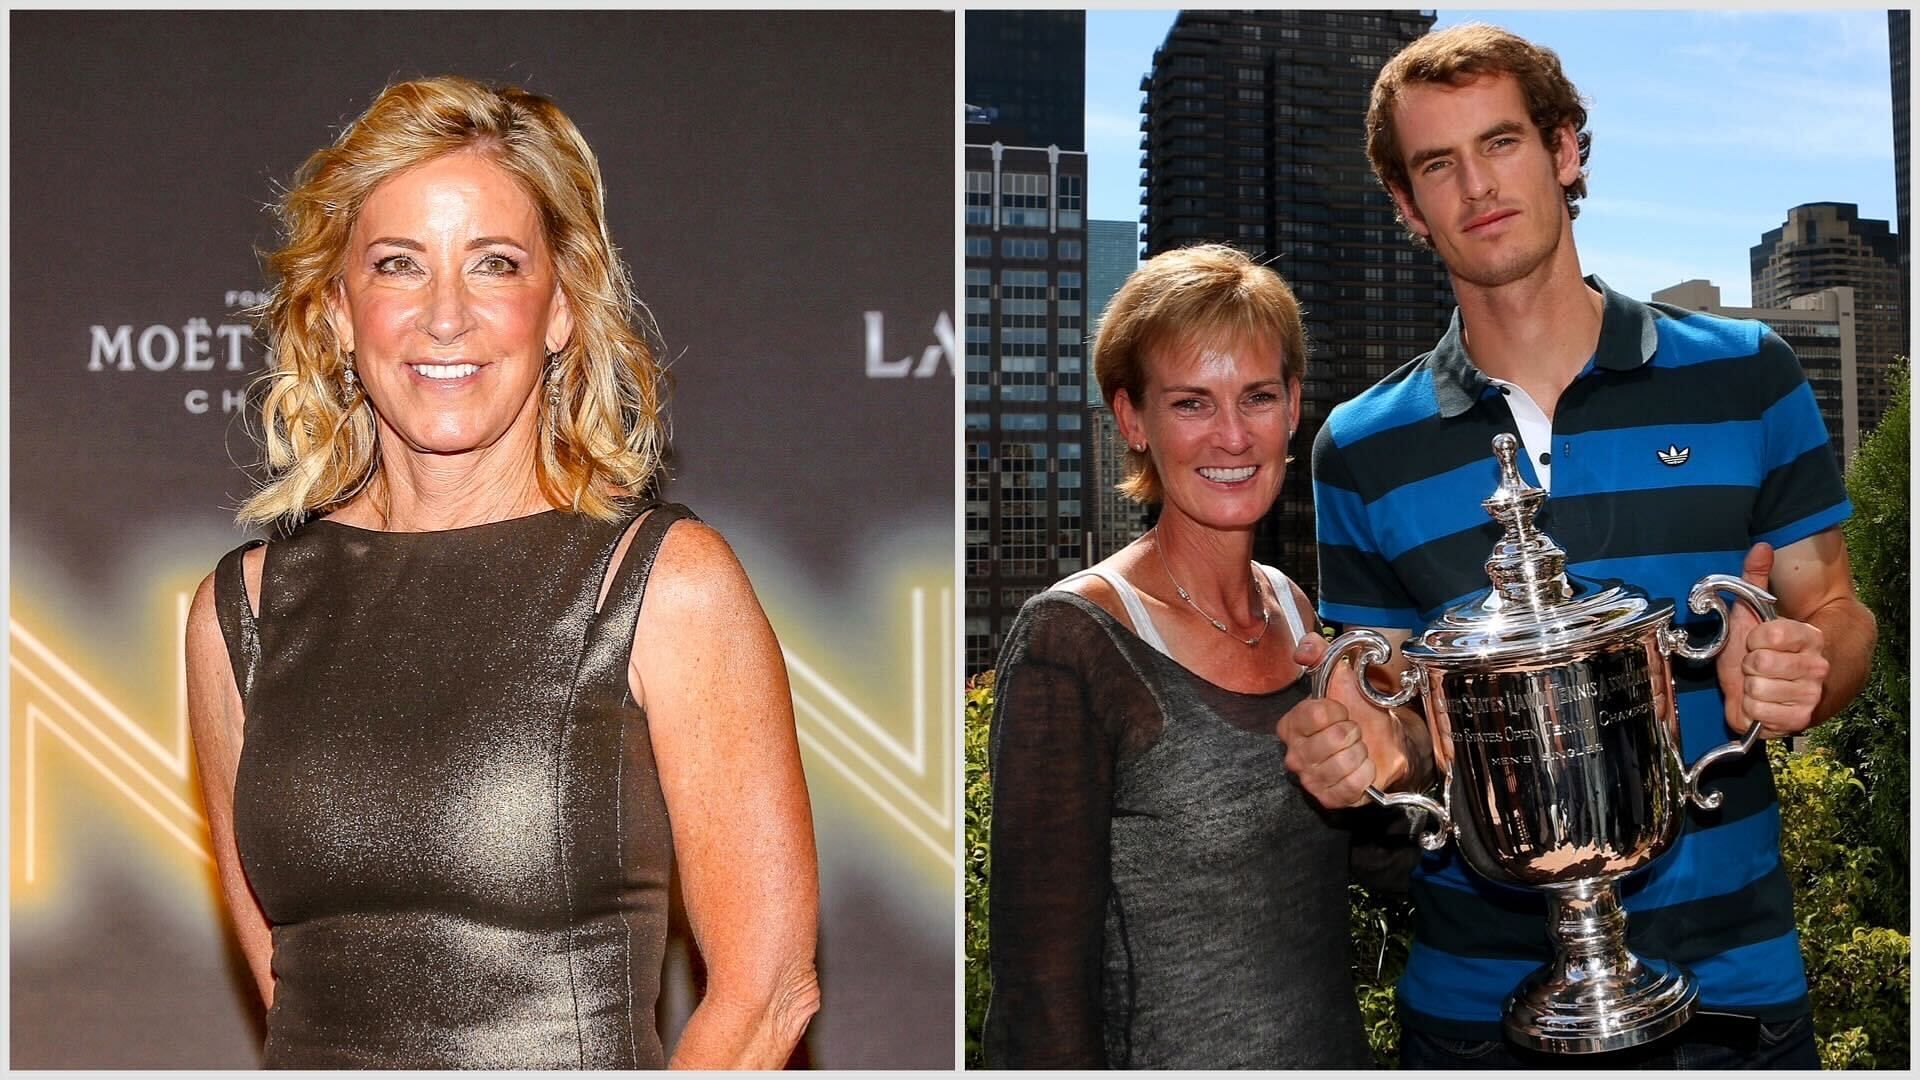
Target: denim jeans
{"points": [[1705, 1043]]}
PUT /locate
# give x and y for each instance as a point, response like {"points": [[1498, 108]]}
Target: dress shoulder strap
{"points": [[1283, 592], [610, 635], [1130, 599], [237, 624]]}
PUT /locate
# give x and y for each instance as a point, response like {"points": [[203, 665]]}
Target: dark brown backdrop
{"points": [[773, 180]]}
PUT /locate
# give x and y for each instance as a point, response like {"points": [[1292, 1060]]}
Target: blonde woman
{"points": [[1163, 895], [456, 726]]}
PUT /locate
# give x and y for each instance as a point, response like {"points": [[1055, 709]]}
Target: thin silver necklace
{"points": [[1266, 613]]}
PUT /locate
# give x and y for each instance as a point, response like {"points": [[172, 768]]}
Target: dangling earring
{"points": [[553, 389], [350, 385], [1289, 460]]}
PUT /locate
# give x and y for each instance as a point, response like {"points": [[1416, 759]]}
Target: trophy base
{"points": [[1592, 1009]]}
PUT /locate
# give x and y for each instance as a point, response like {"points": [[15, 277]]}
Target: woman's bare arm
{"points": [[218, 723], [708, 669]]}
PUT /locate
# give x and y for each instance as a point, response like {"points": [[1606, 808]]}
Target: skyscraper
{"points": [[1028, 69], [1899, 53], [1113, 251], [1253, 134], [1026, 323], [1826, 245]]}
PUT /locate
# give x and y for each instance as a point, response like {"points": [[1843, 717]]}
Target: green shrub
{"points": [[1871, 735], [979, 795], [1382, 931], [1859, 976]]}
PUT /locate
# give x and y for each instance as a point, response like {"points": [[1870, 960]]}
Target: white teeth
{"points": [[446, 371], [1228, 476]]}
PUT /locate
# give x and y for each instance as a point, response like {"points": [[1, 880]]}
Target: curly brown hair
{"points": [[1456, 56]]}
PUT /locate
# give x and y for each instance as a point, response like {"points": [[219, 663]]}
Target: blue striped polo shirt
{"points": [[1398, 475]]}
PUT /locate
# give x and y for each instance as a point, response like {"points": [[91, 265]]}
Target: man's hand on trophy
{"points": [[1772, 673], [1339, 745]]}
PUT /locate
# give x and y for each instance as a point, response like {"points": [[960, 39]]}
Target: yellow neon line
{"points": [[192, 844], [945, 854], [919, 654], [914, 798], [839, 701], [29, 845], [165, 788], [949, 696], [180, 601], [46, 655]]}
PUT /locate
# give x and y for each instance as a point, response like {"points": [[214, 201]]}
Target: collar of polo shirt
{"points": [[1627, 340]]}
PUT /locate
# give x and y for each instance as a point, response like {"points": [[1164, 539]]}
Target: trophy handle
{"points": [[1414, 804], [1704, 599], [1371, 648]]}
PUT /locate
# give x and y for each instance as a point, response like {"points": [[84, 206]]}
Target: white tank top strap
{"points": [[1130, 599], [1283, 592]]}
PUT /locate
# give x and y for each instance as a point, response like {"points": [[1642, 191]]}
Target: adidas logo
{"points": [[1674, 455]]}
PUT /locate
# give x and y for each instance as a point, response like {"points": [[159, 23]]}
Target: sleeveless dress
{"points": [[1163, 895], [446, 802]]}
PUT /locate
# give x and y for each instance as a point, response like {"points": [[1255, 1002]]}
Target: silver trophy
{"points": [[1552, 712]]}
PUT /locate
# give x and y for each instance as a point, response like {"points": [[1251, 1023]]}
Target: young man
{"points": [[1477, 134]]}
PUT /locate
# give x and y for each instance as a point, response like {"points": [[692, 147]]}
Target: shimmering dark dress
{"points": [[446, 802]]}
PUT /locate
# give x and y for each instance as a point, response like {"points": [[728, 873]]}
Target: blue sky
{"points": [[1708, 126]]}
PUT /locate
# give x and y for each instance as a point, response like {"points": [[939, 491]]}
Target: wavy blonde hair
{"points": [[606, 438]]}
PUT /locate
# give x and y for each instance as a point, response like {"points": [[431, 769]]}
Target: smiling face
{"points": [[1215, 418], [450, 303], [1486, 191]]}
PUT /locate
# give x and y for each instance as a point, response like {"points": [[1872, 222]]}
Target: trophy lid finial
{"points": [[1507, 449], [1526, 565], [1514, 502]]}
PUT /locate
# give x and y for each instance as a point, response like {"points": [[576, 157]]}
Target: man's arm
{"points": [[1358, 587], [1796, 671]]}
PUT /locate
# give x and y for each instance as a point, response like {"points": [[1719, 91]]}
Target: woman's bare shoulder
{"points": [[1096, 589], [695, 567], [697, 590]]}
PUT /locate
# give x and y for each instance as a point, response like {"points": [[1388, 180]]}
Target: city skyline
{"points": [[1799, 111]]}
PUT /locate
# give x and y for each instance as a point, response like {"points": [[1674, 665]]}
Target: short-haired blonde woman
{"points": [[456, 726], [1162, 894]]}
